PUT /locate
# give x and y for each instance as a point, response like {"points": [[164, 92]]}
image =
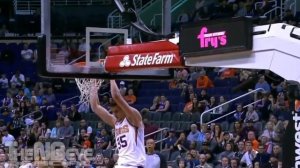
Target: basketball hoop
{"points": [[85, 85]]}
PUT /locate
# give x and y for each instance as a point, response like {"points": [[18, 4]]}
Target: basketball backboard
{"points": [[84, 56]]}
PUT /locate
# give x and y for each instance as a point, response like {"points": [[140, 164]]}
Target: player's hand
{"points": [[94, 99]]}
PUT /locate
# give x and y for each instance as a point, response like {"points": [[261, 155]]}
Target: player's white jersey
{"points": [[130, 144]]}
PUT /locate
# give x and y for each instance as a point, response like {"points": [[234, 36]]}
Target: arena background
{"points": [[171, 106]]}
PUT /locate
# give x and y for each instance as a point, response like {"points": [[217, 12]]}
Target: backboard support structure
{"points": [[54, 65]]}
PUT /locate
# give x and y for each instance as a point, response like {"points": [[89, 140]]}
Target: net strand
{"points": [[85, 85]]}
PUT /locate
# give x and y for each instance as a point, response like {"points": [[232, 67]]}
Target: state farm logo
{"points": [[142, 60]]}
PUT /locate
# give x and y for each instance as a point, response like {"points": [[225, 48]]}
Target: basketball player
{"points": [[129, 128]]}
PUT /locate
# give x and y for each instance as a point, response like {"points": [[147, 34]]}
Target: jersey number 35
{"points": [[122, 143]]}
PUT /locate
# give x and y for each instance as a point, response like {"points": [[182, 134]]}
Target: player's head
{"points": [[117, 111]]}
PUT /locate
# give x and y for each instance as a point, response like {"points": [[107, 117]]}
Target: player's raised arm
{"points": [[99, 110], [131, 113]]}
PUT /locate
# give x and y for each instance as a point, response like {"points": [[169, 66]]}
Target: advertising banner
{"points": [[160, 54], [216, 37]]}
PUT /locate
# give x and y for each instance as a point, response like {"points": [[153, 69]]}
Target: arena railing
{"points": [[161, 139], [230, 101], [78, 96], [227, 114], [32, 114]]}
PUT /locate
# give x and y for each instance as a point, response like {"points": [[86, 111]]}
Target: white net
{"points": [[85, 85]]}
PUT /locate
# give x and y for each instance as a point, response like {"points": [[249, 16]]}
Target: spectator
{"points": [[64, 53], [86, 142], [270, 133], [27, 53], [194, 134], [83, 125], [7, 139], [194, 73], [26, 91], [227, 138], [212, 102], [67, 132], [251, 114], [155, 104], [192, 158], [265, 106], [203, 162], [154, 159], [263, 84], [277, 152], [4, 161], [249, 155], [227, 73], [182, 143], [56, 131], [16, 124], [44, 131], [164, 104], [244, 75], [240, 114], [130, 97], [251, 137], [20, 96], [203, 81], [169, 143], [201, 138], [218, 133], [192, 105], [103, 140], [240, 150], [237, 130], [74, 115], [262, 157], [13, 90], [64, 110], [84, 108], [50, 96], [203, 96], [5, 116], [211, 141], [182, 164], [224, 108], [244, 134], [98, 161], [82, 46], [186, 92], [224, 162], [281, 104], [80, 138], [234, 163], [3, 81], [8, 100], [228, 152], [18, 79], [181, 75]]}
